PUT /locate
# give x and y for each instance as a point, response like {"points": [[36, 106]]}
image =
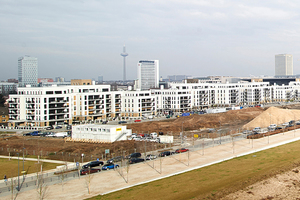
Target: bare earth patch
{"points": [[281, 186]]}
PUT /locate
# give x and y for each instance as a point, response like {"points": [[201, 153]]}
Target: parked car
{"points": [[58, 127], [285, 124], [137, 120], [115, 159], [134, 155], [181, 150], [27, 134], [256, 129], [151, 157], [86, 171], [49, 128], [136, 160], [104, 122], [272, 126], [165, 153], [34, 133], [93, 164], [122, 122], [109, 166]]}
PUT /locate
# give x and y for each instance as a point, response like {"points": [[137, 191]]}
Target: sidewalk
{"points": [[110, 181]]}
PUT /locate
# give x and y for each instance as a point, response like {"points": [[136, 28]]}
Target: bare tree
{"points": [[127, 169], [88, 180], [11, 186], [41, 187]]}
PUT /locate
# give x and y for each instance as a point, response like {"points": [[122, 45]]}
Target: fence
{"points": [[33, 181]]}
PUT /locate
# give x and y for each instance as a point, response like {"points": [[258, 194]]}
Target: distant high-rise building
{"points": [[59, 79], [100, 79], [283, 65], [27, 71], [148, 74]]}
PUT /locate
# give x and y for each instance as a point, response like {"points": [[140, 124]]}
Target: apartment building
{"points": [[45, 106]]}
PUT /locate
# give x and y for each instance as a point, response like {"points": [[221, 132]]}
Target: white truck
{"points": [[165, 139], [61, 134]]}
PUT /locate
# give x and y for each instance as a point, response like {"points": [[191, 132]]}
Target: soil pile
{"points": [[233, 119], [273, 115]]}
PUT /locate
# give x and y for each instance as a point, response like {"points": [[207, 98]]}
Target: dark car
{"points": [[165, 153], [89, 171], [27, 134], [109, 166], [136, 160], [104, 122], [34, 133], [122, 122], [181, 150], [134, 155], [58, 127], [115, 159], [93, 164]]}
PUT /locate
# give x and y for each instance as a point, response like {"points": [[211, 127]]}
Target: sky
{"points": [[84, 38]]}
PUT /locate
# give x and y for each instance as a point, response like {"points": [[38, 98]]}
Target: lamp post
{"points": [[18, 173], [82, 155], [181, 133], [269, 133], [23, 163]]}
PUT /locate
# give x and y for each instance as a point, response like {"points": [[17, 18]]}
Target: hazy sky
{"points": [[84, 39]]}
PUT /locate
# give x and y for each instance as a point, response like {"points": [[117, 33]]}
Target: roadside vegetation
{"points": [[216, 181]]}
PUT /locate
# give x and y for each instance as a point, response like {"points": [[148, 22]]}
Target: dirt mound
{"points": [[273, 115], [231, 119]]}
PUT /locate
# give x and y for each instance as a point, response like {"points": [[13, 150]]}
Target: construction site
{"points": [[208, 126], [205, 125]]}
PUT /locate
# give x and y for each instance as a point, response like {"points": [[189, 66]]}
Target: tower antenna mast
{"points": [[124, 54]]}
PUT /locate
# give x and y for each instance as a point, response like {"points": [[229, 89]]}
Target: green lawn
{"points": [[217, 180], [10, 167]]}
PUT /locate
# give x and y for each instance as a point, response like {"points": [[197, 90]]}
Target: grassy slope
{"points": [[215, 181], [10, 167]]}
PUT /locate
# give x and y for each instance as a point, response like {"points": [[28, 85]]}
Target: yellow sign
{"points": [[195, 135], [118, 129]]}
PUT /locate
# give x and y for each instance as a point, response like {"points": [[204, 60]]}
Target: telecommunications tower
{"points": [[124, 54]]}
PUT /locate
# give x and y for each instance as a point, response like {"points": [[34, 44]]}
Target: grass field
{"points": [[10, 167], [217, 180]]}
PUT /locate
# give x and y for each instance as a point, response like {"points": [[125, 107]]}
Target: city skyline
{"points": [[203, 38]]}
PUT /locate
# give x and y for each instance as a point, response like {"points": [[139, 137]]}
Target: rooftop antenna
{"points": [[124, 54]]}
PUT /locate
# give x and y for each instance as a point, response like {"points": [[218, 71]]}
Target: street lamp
{"points": [[18, 173], [82, 155], [23, 163], [181, 133]]}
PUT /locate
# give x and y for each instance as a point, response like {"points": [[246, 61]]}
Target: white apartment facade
{"points": [[45, 106], [27, 71]]}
